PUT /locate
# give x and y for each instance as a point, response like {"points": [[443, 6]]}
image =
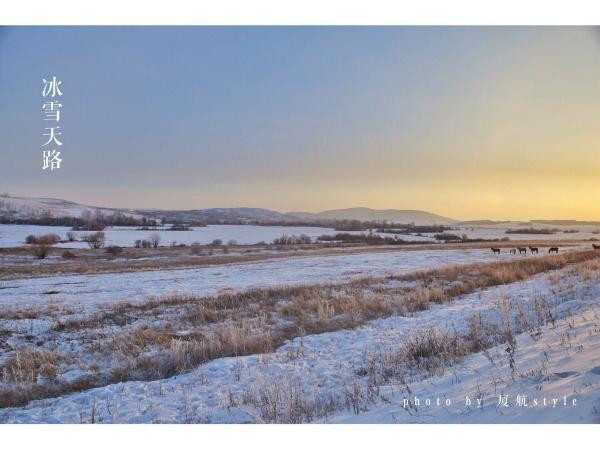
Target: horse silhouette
{"points": [[513, 251], [553, 250], [533, 249], [596, 246], [522, 250], [495, 250]]}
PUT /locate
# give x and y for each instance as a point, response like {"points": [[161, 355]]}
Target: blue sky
{"points": [[461, 121]]}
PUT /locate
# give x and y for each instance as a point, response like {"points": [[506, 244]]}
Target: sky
{"points": [[466, 122]]}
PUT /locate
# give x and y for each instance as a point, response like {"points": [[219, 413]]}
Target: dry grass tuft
{"points": [[26, 365]]}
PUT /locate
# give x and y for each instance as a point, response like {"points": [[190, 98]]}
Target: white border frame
{"points": [[307, 12], [301, 12]]}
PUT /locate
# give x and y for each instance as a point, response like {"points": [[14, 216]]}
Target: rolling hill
{"points": [[32, 207], [368, 214]]}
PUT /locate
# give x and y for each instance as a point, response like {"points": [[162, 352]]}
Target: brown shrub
{"points": [[25, 365], [95, 240], [114, 250], [67, 254], [40, 251], [44, 239]]}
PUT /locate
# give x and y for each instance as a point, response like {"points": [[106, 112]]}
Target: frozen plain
{"points": [[563, 361], [324, 364], [136, 286]]}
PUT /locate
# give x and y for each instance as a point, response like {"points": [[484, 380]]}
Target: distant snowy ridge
{"points": [[212, 215], [31, 207], [368, 214]]}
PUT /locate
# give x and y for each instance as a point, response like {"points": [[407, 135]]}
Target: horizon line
{"points": [[291, 212]]}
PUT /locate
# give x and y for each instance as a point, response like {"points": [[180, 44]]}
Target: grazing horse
{"points": [[522, 250], [533, 249], [553, 250], [596, 246], [495, 250], [513, 251]]}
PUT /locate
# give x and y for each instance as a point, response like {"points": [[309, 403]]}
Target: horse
{"points": [[596, 246], [533, 249], [513, 251], [553, 250], [522, 250], [495, 250]]}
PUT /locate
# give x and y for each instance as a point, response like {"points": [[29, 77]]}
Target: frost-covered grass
{"points": [[20, 262], [324, 377], [553, 377], [211, 274], [171, 335]]}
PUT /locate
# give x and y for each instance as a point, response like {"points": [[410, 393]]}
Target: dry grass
{"points": [[321, 308], [385, 370], [35, 312], [188, 330], [89, 261], [22, 394], [26, 365]]}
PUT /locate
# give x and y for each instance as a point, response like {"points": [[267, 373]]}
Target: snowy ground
{"points": [[102, 288], [552, 361], [341, 376], [499, 231], [557, 381], [14, 235], [27, 207]]}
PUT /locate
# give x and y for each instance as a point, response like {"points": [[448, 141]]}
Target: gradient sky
{"points": [[467, 122]]}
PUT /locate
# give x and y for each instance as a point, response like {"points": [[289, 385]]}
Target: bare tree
{"points": [[86, 216], [95, 240], [154, 239]]}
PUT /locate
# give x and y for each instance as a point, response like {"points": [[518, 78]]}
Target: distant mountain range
{"points": [[215, 215], [376, 215], [25, 207], [212, 215], [30, 207]]}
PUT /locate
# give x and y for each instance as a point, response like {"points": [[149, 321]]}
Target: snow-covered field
{"points": [[342, 376], [499, 232], [14, 235], [557, 381], [134, 286], [329, 366]]}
